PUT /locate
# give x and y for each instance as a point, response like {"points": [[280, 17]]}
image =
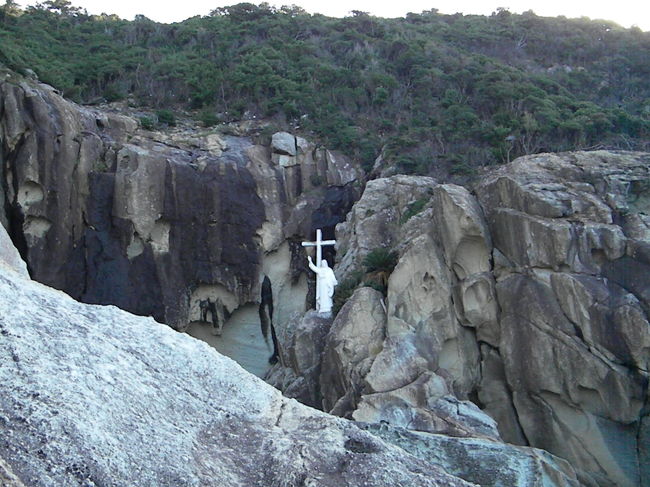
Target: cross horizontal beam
{"points": [[322, 242]]}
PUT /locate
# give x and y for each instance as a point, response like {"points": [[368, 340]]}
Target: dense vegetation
{"points": [[432, 93]]}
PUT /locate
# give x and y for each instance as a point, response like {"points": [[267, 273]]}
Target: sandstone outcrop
{"points": [[299, 366], [354, 340], [516, 312], [92, 395], [528, 299], [156, 222]]}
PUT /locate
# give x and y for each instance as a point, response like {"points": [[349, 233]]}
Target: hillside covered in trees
{"points": [[434, 94]]}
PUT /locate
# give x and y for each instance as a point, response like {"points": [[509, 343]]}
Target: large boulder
{"points": [[92, 395], [569, 370], [301, 342], [354, 340], [439, 297]]}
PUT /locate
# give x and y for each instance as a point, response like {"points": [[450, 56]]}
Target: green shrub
{"points": [[380, 260], [379, 265], [147, 123], [413, 209], [208, 118], [166, 117], [112, 94]]}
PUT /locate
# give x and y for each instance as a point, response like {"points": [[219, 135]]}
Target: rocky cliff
{"points": [[516, 312], [157, 222], [527, 298]]}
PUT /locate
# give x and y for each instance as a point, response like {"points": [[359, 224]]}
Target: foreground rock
{"points": [[92, 395], [10, 259]]}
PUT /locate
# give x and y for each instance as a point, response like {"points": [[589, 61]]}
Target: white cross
{"points": [[318, 244]]}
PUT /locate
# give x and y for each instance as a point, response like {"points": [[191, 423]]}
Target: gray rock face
{"points": [[374, 221], [301, 341], [531, 300], [440, 296], [9, 257], [354, 340], [482, 461], [574, 335], [154, 223], [92, 395]]}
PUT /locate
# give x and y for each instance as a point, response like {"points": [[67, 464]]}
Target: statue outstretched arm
{"points": [[312, 266]]}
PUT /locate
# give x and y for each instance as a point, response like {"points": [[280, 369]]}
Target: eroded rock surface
{"points": [[483, 461], [296, 373], [9, 257]]}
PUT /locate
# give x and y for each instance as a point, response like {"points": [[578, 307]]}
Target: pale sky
{"points": [[623, 12]]}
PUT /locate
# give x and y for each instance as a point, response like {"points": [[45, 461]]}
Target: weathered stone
{"points": [[426, 405], [374, 221], [606, 317], [483, 461], [7, 477], [644, 450], [564, 337], [354, 340], [145, 220], [566, 396], [284, 143], [302, 340], [569, 372], [9, 257], [440, 289], [557, 351]]}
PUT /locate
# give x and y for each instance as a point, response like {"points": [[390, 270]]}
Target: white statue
{"points": [[325, 282]]}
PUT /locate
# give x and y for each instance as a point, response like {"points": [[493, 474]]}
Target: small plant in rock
{"points": [[379, 265], [344, 291], [166, 117], [208, 118], [381, 286], [413, 209], [147, 123], [316, 180], [380, 260]]}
